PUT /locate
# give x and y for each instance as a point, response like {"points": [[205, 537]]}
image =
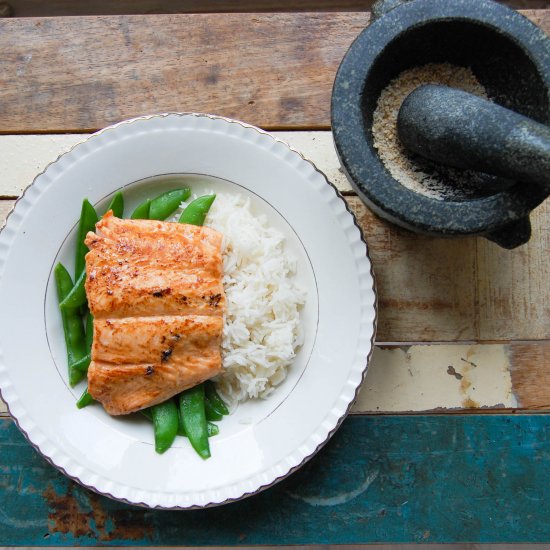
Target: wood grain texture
{"points": [[277, 70], [386, 478], [530, 371], [436, 290], [39, 8]]}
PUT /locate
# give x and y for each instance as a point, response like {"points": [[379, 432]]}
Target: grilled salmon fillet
{"points": [[155, 291]]}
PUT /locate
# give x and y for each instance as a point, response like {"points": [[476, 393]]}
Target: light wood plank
{"points": [[22, 157], [437, 377], [5, 208], [277, 69], [435, 289], [513, 287]]}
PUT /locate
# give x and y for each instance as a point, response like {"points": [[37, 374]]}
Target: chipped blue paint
{"points": [[383, 478]]}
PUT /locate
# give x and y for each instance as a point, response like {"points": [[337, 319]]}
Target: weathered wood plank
{"points": [[530, 371], [435, 289], [438, 377], [277, 71], [428, 291], [393, 479]]}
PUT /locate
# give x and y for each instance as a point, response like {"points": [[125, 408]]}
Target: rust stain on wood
{"points": [[85, 517]]}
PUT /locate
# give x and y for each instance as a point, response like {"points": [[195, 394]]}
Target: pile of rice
{"points": [[262, 327]]}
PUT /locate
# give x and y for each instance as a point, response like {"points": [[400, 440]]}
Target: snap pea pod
{"points": [[167, 203], [72, 326], [142, 211], [83, 364], [210, 411], [196, 211], [117, 205], [210, 426], [193, 415], [85, 399], [77, 295], [88, 219], [165, 421], [212, 395]]}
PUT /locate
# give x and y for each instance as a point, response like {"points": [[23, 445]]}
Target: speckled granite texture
{"points": [[507, 53]]}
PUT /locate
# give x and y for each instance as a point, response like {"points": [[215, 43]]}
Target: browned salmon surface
{"points": [[155, 291]]}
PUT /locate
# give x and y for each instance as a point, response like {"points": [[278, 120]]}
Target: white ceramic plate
{"points": [[263, 441]]}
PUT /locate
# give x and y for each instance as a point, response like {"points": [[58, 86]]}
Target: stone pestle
{"points": [[462, 130]]}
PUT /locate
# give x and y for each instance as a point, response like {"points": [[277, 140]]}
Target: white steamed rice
{"points": [[262, 328]]}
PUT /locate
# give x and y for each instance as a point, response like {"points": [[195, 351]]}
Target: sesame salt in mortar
{"points": [[440, 114]]}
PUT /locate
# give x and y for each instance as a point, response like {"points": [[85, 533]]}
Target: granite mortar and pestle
{"points": [[506, 141]]}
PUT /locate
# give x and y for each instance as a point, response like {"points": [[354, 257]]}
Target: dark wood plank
{"points": [[39, 8], [274, 70], [392, 479]]}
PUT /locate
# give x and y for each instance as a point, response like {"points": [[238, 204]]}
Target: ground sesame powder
{"points": [[416, 173]]}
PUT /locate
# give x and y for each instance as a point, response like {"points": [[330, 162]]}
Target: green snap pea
{"points": [[77, 295], [88, 219], [210, 411], [191, 403], [72, 326], [165, 422], [117, 205], [83, 364], [165, 204], [142, 211], [212, 395], [85, 399], [212, 428], [196, 211]]}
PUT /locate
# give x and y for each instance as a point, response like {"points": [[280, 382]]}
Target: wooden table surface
{"points": [[449, 439]]}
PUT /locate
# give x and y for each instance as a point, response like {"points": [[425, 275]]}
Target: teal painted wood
{"points": [[381, 478]]}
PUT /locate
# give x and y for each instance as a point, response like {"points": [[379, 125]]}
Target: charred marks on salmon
{"points": [[162, 292]]}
